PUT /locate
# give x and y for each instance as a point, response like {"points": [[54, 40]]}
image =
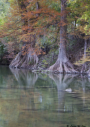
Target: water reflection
{"points": [[24, 77], [40, 100], [62, 82]]}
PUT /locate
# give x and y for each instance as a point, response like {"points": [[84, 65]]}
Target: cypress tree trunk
{"points": [[26, 58], [63, 64]]}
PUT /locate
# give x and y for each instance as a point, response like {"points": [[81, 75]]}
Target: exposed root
{"points": [[83, 70], [29, 60], [62, 67]]}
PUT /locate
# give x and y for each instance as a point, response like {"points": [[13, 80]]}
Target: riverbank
{"points": [[45, 60]]}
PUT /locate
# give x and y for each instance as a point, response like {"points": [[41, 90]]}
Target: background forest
{"points": [[31, 32]]}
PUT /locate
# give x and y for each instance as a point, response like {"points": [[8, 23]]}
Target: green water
{"points": [[39, 100]]}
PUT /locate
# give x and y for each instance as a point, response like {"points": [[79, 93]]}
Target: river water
{"points": [[39, 100]]}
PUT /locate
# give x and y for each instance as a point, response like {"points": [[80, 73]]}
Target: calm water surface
{"points": [[39, 100]]}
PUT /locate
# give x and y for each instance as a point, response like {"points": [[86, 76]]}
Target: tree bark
{"points": [[63, 64]]}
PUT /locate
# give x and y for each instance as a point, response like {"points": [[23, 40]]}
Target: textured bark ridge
{"points": [[25, 59]]}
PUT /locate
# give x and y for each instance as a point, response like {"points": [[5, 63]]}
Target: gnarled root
{"points": [[62, 67], [29, 60]]}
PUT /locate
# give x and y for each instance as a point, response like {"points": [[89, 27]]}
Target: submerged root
{"points": [[62, 67]]}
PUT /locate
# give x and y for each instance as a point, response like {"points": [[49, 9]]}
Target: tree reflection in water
{"points": [[62, 82], [25, 77], [26, 80], [33, 100]]}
